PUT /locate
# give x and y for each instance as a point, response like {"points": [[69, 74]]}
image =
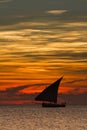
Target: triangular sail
{"points": [[50, 93]]}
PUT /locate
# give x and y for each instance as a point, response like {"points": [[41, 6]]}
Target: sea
{"points": [[35, 117]]}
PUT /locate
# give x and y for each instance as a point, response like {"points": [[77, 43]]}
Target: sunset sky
{"points": [[40, 41]]}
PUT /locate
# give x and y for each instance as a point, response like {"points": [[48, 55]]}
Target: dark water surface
{"points": [[34, 117]]}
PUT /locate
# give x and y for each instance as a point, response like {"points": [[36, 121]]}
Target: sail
{"points": [[50, 93]]}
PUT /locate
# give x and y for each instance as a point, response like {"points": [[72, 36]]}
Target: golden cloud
{"points": [[56, 12]]}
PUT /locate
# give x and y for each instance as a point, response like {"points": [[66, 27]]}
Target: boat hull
{"points": [[53, 105]]}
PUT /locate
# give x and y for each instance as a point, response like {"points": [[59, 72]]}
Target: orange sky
{"points": [[38, 48]]}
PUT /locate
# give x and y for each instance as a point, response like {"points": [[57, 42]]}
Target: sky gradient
{"points": [[40, 41]]}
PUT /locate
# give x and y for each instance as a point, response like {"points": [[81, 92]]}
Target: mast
{"points": [[50, 93]]}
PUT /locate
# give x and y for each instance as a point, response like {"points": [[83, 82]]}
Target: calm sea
{"points": [[34, 117]]}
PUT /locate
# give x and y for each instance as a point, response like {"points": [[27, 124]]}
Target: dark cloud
{"points": [[60, 54], [14, 91], [31, 10], [5, 1], [76, 99], [74, 81], [11, 93]]}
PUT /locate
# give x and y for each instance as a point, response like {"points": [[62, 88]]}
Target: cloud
{"points": [[56, 12], [18, 63], [45, 32], [15, 90], [56, 54], [23, 11], [21, 35], [76, 99], [15, 94], [11, 93], [42, 38], [75, 81], [69, 98], [4, 1]]}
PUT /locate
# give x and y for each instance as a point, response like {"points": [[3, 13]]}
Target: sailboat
{"points": [[49, 95]]}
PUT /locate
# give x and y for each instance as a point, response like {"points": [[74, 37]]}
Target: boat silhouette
{"points": [[50, 94]]}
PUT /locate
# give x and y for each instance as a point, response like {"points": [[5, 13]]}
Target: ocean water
{"points": [[34, 117]]}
